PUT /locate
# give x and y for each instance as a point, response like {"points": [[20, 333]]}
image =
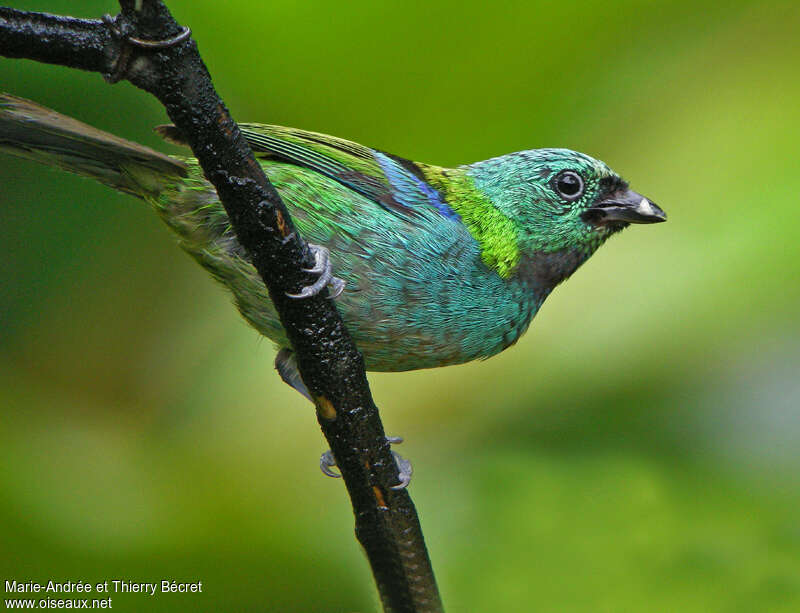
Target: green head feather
{"points": [[523, 188]]}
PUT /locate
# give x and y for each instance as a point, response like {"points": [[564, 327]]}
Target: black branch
{"points": [[146, 46]]}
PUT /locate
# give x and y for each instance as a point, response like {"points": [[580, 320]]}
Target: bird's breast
{"points": [[430, 314]]}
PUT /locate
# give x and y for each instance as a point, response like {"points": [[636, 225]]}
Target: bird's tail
{"points": [[37, 133]]}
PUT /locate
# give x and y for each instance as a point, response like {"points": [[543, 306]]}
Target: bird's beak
{"points": [[627, 206]]}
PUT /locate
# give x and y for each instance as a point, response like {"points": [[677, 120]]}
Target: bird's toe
{"points": [[326, 463], [323, 268]]}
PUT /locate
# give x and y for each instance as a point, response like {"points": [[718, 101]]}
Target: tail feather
{"points": [[38, 133]]}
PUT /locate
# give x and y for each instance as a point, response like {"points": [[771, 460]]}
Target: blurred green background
{"points": [[636, 451]]}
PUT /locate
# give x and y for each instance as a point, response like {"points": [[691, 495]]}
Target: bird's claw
{"points": [[404, 471], [323, 268], [326, 462], [335, 287], [404, 468]]}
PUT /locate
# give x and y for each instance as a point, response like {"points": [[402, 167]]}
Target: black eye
{"points": [[569, 185]]}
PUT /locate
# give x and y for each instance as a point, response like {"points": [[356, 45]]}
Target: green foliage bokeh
{"points": [[637, 450]]}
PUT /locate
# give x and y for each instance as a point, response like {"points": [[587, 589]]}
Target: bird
{"points": [[430, 266]]}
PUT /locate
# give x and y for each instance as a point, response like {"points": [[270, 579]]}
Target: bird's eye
{"points": [[569, 185]]}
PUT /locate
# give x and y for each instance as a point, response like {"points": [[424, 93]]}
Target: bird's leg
{"points": [[286, 365], [323, 268], [327, 462]]}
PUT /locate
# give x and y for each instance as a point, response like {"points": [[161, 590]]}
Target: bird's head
{"points": [[564, 204]]}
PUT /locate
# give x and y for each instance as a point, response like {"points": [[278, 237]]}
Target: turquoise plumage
{"points": [[441, 266]]}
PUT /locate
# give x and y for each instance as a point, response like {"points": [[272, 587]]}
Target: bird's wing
{"points": [[396, 184]]}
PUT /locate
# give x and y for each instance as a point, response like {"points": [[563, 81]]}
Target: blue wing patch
{"points": [[409, 189]]}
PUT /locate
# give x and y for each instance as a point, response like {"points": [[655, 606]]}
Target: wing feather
{"points": [[396, 184], [384, 179]]}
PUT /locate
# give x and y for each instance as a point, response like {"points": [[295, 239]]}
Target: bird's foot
{"points": [[323, 268], [286, 365], [404, 468], [326, 464]]}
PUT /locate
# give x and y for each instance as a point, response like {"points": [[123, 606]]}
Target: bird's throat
{"points": [[542, 272]]}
